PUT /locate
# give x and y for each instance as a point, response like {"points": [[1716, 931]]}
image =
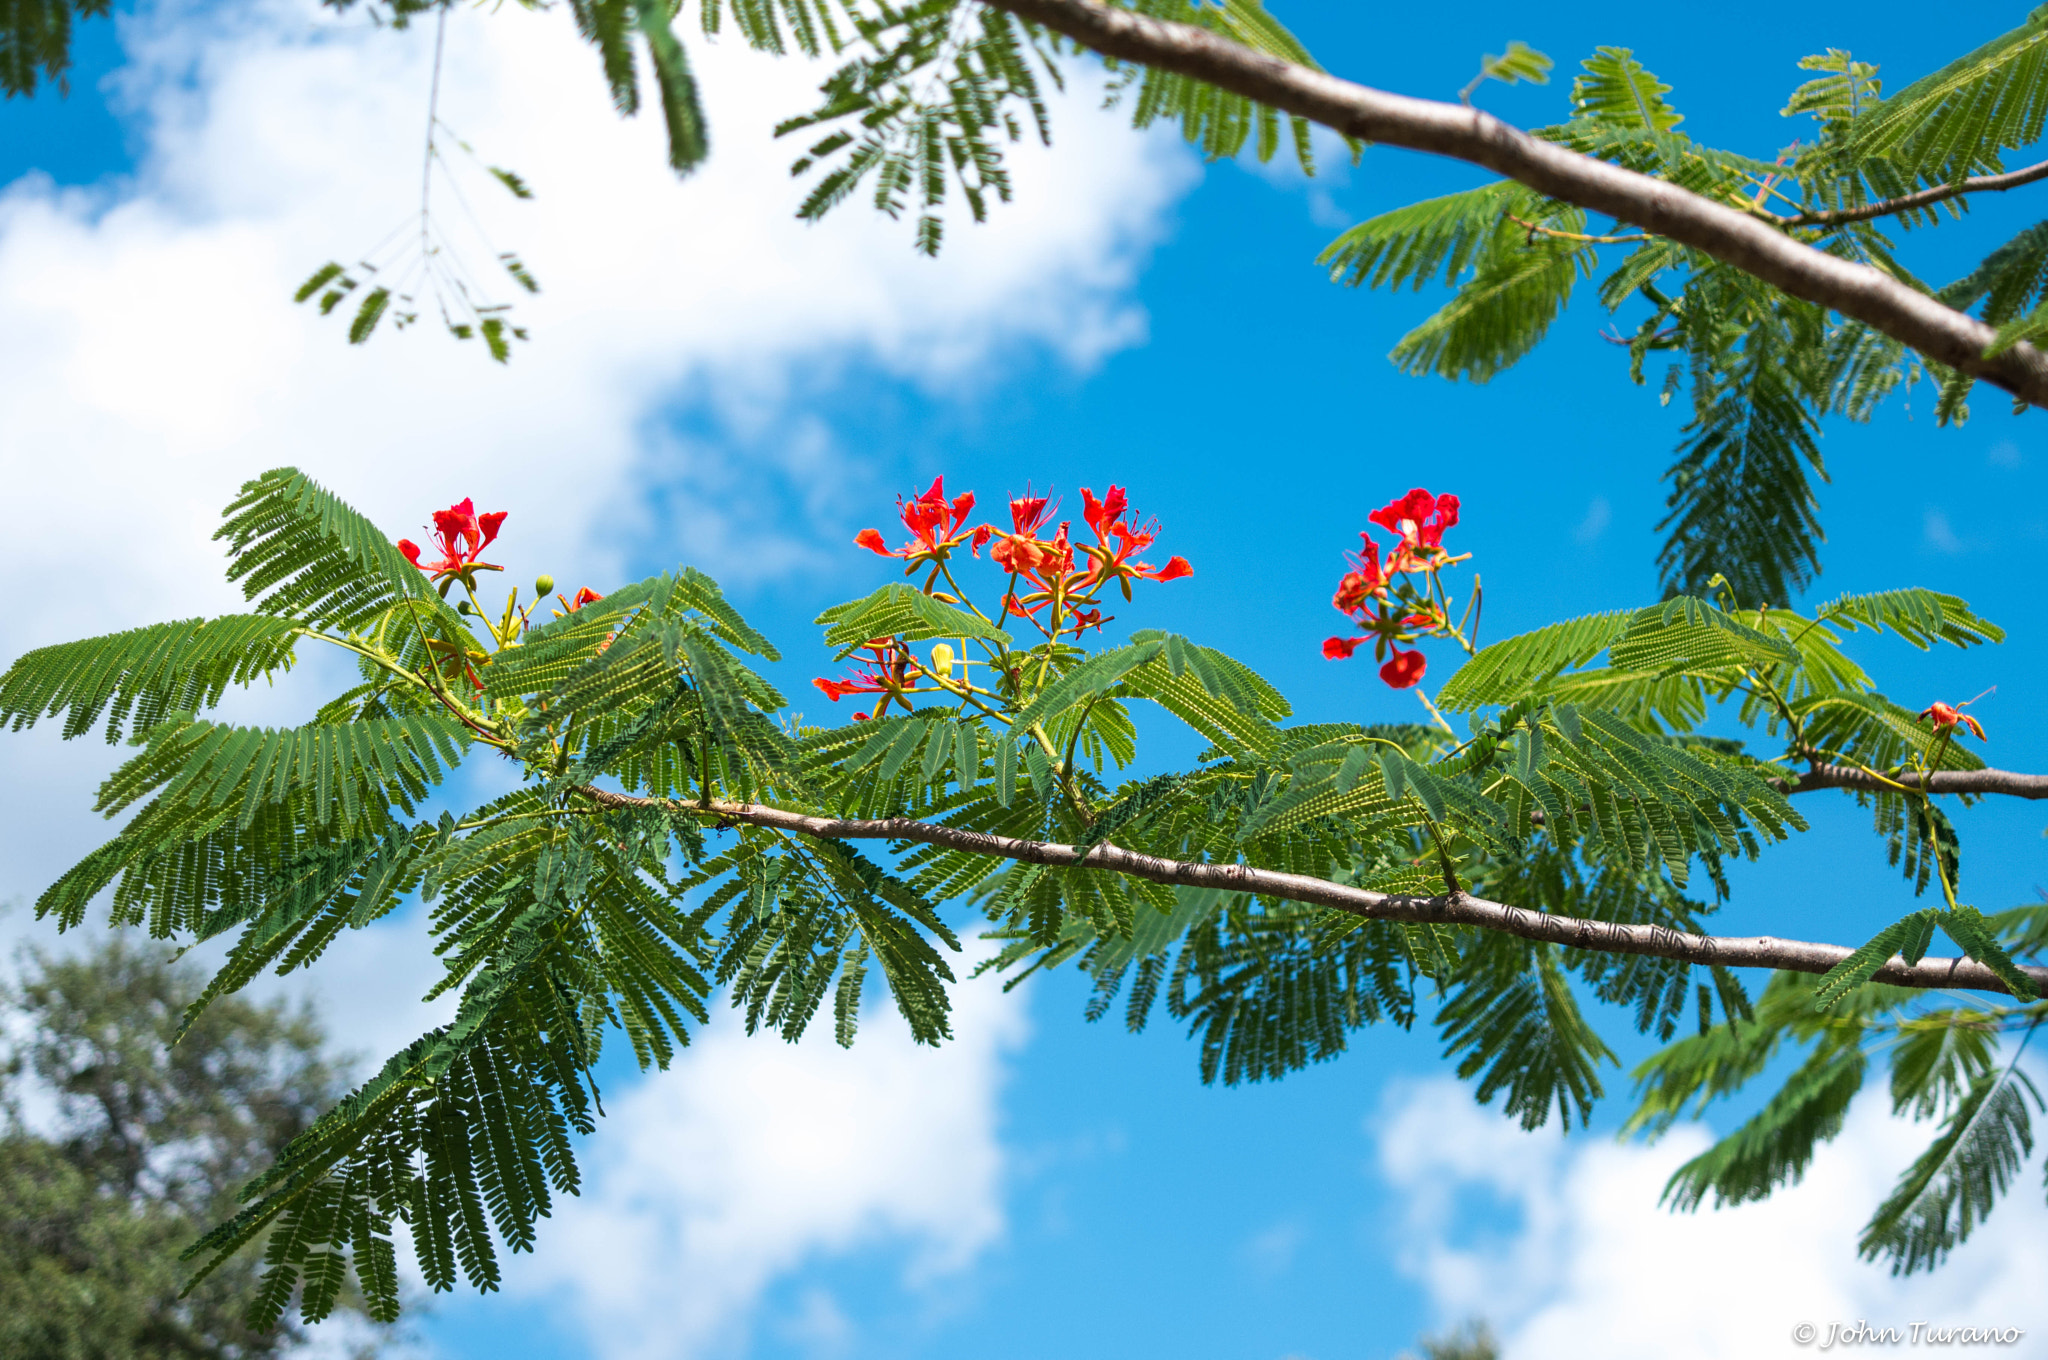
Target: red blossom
{"points": [[1418, 517], [1028, 513], [1105, 512], [1118, 543], [934, 523], [1947, 717], [461, 535], [1404, 670], [885, 670], [1365, 581], [1340, 649]]}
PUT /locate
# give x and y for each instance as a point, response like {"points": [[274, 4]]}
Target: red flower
{"points": [[884, 671], [1418, 517], [1365, 581], [1404, 670], [1949, 716], [1340, 649], [583, 597], [933, 521], [1020, 550], [1105, 512], [1028, 513], [461, 535], [1420, 520], [1117, 545]]}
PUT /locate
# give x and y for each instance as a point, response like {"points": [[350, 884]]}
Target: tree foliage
{"points": [[655, 852], [665, 841], [146, 1145]]}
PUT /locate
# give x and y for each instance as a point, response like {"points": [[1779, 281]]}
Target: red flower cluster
{"points": [[461, 535], [1069, 576], [1055, 581], [1418, 520]]}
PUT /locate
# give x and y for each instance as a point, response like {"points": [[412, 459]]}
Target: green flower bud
{"points": [[544, 586], [462, 607]]}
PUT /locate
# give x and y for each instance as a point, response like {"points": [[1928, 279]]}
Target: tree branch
{"points": [[1727, 234], [1980, 184], [1823, 776], [1455, 908]]}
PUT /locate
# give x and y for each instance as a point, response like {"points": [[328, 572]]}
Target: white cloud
{"points": [[1939, 534], [1599, 514], [751, 1157], [1583, 1264], [1271, 1251]]}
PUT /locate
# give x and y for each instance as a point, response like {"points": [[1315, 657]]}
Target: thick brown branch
{"points": [[1727, 234], [2009, 782], [1980, 184], [1456, 908]]}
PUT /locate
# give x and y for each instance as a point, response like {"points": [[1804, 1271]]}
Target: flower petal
{"points": [[1404, 669]]}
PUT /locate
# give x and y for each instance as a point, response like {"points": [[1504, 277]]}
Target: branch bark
{"points": [[2009, 782], [1456, 908], [1445, 129]]}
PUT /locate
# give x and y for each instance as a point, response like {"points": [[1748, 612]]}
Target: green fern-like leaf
{"points": [[35, 42], [1958, 1180], [1616, 89], [1522, 1034], [901, 610], [1509, 669], [681, 110], [301, 553], [1954, 122], [1520, 282], [139, 677], [1775, 1146]]}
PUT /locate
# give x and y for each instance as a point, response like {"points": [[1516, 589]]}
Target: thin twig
{"points": [[1577, 235], [1980, 184]]}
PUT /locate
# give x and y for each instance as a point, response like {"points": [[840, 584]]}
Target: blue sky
{"points": [[1143, 320]]}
